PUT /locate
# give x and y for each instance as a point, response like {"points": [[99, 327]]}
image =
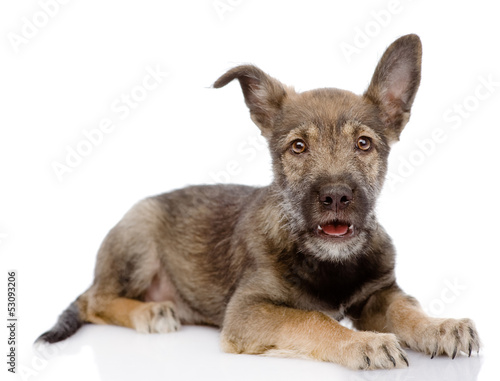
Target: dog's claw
{"points": [[434, 353], [393, 361], [368, 362], [452, 337], [472, 334], [389, 355], [403, 357]]}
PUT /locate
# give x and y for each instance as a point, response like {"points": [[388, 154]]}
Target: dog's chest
{"points": [[331, 285]]}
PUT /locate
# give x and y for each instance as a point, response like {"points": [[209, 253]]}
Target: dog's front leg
{"points": [[265, 328], [393, 311]]}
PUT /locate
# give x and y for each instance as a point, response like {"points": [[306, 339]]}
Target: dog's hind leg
{"points": [[131, 286], [144, 317]]}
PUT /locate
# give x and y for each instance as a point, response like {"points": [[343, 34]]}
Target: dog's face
{"points": [[330, 147], [330, 163]]}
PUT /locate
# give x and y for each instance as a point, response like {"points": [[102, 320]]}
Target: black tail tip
{"points": [[50, 337], [68, 323]]}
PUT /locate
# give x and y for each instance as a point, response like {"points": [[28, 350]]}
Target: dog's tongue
{"points": [[335, 229]]}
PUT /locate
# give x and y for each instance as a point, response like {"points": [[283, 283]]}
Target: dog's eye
{"points": [[364, 143], [299, 146]]}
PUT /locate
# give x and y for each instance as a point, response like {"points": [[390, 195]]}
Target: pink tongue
{"points": [[335, 229]]}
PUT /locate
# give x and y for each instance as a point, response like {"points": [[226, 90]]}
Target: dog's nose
{"points": [[335, 197]]}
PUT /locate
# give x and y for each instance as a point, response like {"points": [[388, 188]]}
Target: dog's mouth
{"points": [[336, 229]]}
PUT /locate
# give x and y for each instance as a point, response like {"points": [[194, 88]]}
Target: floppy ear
{"points": [[263, 94], [395, 82]]}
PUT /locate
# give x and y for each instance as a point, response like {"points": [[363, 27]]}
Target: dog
{"points": [[277, 267]]}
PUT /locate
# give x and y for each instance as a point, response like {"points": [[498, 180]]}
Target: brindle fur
{"points": [[251, 261]]}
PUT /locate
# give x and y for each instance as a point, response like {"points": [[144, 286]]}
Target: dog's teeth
{"points": [[319, 227]]}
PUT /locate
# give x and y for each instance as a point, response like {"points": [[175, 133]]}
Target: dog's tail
{"points": [[67, 324]]}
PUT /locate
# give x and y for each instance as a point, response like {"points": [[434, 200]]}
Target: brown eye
{"points": [[298, 146], [364, 143]]}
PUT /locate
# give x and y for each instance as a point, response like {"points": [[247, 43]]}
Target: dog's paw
{"points": [[371, 350], [446, 337], [156, 318]]}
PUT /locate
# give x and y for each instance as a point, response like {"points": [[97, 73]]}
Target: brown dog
{"points": [[277, 267]]}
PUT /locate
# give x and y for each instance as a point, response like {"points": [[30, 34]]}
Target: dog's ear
{"points": [[263, 94], [395, 82]]}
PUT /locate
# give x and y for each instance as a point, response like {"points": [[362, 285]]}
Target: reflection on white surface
{"points": [[113, 353]]}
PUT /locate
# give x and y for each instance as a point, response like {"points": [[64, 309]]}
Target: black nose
{"points": [[335, 197]]}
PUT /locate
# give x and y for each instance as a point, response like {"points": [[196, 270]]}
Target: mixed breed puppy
{"points": [[277, 267]]}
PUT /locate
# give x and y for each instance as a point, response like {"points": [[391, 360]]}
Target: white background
{"points": [[66, 75]]}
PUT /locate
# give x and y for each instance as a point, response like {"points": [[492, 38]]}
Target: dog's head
{"points": [[330, 147]]}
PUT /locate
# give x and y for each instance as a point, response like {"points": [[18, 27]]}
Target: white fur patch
{"points": [[335, 251]]}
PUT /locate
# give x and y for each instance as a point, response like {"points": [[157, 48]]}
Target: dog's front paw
{"points": [[446, 337], [371, 350], [156, 318]]}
